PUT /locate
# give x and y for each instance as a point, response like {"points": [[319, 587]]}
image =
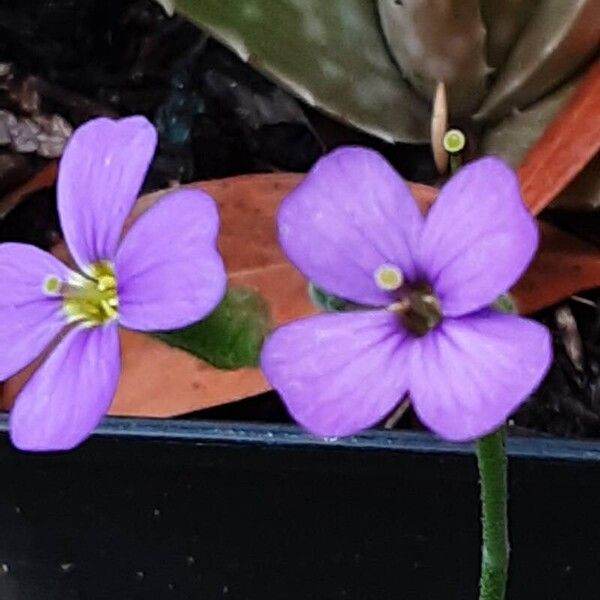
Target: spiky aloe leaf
{"points": [[439, 41], [584, 192], [504, 21], [560, 38], [512, 137], [328, 52]]}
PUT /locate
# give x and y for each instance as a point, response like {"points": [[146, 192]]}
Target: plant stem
{"points": [[492, 463]]}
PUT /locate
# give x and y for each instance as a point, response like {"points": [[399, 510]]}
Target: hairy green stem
{"points": [[492, 463]]}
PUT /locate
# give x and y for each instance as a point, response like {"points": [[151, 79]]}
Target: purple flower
{"points": [[164, 274], [426, 284]]}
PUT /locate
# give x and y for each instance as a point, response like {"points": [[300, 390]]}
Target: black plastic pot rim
{"points": [[291, 436]]}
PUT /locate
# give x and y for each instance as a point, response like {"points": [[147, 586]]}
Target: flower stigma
{"points": [[388, 277], [90, 300], [52, 286], [454, 141]]}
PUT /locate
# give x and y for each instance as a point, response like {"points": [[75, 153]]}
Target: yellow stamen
{"points": [[90, 300]]}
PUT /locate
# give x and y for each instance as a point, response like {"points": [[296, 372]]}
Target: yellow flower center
{"points": [[90, 300]]}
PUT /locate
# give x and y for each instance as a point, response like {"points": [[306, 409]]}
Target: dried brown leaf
{"points": [[566, 147], [564, 265]]}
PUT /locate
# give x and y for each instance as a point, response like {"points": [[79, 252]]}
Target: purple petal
{"points": [[68, 395], [338, 373], [29, 318], [101, 172], [351, 214], [170, 273], [472, 372], [478, 237]]}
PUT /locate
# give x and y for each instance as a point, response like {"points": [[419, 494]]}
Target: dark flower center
{"points": [[415, 303], [422, 311]]}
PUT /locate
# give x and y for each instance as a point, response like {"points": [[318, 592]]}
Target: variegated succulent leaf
{"points": [[512, 137], [504, 21], [331, 54], [558, 39], [374, 64], [493, 55], [442, 41]]}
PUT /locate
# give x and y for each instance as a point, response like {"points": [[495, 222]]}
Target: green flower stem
{"points": [[455, 163], [492, 463]]}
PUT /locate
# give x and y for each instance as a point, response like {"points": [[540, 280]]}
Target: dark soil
{"points": [[218, 117]]}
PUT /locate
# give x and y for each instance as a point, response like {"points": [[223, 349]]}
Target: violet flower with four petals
{"points": [[426, 286], [166, 273]]}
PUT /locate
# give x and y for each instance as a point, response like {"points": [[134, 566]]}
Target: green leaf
{"points": [[560, 37], [328, 302], [506, 304], [330, 53], [232, 336], [439, 41]]}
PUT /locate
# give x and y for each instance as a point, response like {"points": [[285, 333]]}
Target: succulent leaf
{"points": [[504, 21], [439, 41], [514, 135], [560, 38], [331, 54]]}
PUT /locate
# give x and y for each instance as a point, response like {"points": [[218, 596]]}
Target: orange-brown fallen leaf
{"points": [[564, 265], [566, 147]]}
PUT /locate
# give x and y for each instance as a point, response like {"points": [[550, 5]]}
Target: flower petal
{"points": [[478, 237], [338, 373], [169, 271], [471, 373], [350, 215], [68, 395], [29, 318], [100, 175]]}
